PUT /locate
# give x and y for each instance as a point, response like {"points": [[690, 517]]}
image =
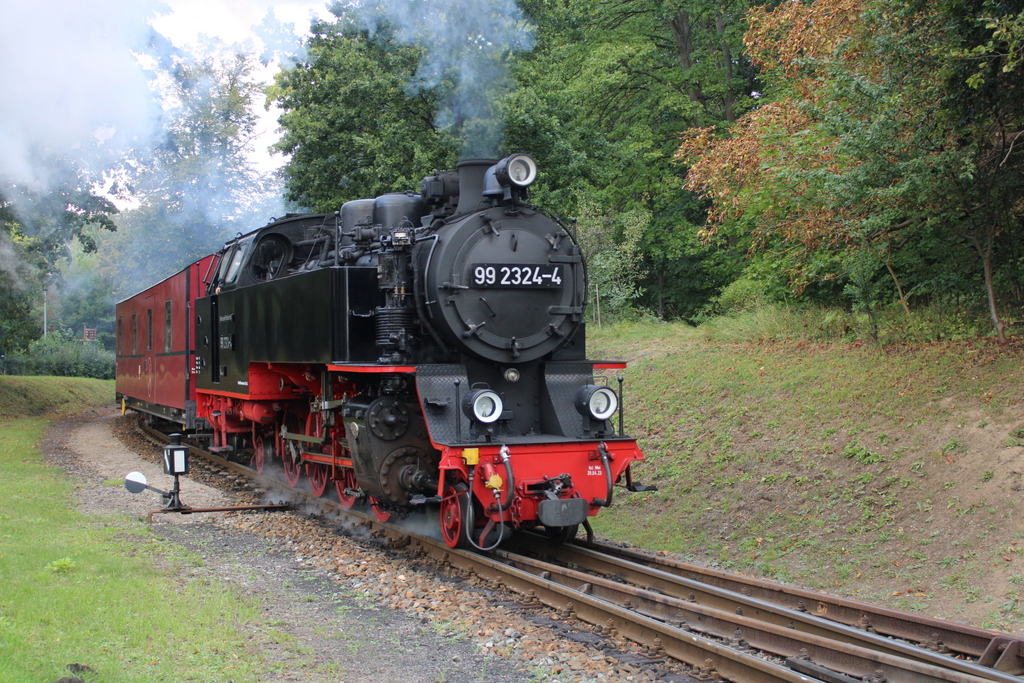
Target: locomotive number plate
{"points": [[516, 275]]}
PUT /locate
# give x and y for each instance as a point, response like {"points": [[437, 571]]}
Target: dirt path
{"points": [[338, 608]]}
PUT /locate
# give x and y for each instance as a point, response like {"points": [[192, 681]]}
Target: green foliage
{"points": [[611, 245], [600, 102], [86, 299], [40, 223], [37, 227], [65, 565], [746, 314], [351, 125], [878, 150], [18, 326], [62, 355], [862, 455], [1002, 52]]}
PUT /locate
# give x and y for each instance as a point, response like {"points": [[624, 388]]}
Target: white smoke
{"points": [[72, 85], [87, 100], [468, 41], [78, 78]]}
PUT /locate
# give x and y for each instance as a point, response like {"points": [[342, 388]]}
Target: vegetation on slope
{"points": [[892, 474], [31, 396]]}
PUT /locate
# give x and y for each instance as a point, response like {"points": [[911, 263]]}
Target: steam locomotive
{"points": [[417, 351]]}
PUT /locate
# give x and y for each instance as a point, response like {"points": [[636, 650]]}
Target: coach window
{"points": [[167, 326], [149, 329], [135, 334], [120, 335]]}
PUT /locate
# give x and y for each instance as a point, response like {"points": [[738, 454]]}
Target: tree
{"points": [[882, 139], [197, 188], [601, 101], [351, 124], [37, 226]]}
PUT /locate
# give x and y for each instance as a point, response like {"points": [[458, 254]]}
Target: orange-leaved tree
{"points": [[880, 133]]}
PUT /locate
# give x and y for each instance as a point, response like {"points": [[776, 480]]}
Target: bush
{"points": [[59, 355], [890, 325]]}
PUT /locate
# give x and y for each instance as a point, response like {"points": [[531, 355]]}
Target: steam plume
{"points": [[72, 85], [467, 41]]}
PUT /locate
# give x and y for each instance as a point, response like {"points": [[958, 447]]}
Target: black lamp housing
{"points": [[510, 176], [483, 406], [175, 456], [596, 402]]}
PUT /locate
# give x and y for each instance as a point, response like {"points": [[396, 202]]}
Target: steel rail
{"points": [[709, 658], [748, 622], [1000, 662], [992, 649]]}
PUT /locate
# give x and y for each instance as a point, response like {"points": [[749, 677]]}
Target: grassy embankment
{"points": [[893, 475], [99, 591]]}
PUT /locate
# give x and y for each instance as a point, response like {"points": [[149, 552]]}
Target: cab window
{"points": [[237, 259], [225, 261]]}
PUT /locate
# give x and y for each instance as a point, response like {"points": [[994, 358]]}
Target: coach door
{"points": [[149, 368]]}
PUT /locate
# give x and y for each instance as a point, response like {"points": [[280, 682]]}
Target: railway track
{"points": [[723, 626]]}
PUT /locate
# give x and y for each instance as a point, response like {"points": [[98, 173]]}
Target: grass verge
{"points": [[25, 396], [890, 473], [102, 592]]}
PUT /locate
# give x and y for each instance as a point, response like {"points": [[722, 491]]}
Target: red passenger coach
{"points": [[156, 346]]}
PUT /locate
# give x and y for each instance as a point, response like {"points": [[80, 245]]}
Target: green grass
{"points": [[25, 396], [103, 592], [821, 463]]}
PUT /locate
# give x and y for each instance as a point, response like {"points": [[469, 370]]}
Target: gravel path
{"points": [[351, 609]]}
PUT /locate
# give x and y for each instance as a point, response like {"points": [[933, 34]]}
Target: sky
{"points": [[233, 22], [81, 93]]}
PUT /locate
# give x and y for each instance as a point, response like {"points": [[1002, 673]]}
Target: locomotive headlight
{"points": [[596, 402], [521, 169], [483, 405]]}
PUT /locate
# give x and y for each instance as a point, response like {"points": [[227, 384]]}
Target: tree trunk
{"points": [[986, 262], [729, 99], [683, 35], [899, 287], [661, 292]]}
